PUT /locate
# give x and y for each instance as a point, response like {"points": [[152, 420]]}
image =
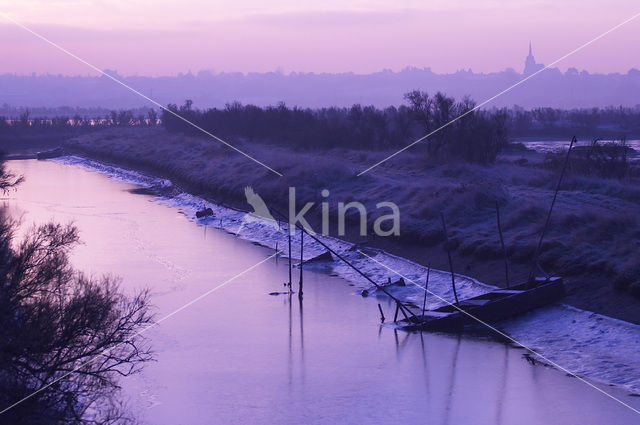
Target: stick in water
{"points": [[446, 242], [546, 223], [289, 239], [426, 288], [504, 250], [301, 262]]}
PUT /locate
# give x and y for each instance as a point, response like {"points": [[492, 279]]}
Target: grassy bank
{"points": [[592, 240]]}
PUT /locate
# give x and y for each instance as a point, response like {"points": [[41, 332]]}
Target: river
{"points": [[242, 356], [545, 146]]}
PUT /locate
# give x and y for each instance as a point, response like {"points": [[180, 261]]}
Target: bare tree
{"points": [[153, 117], [65, 338], [8, 180]]}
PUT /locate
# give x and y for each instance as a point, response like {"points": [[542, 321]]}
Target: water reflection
{"points": [[295, 357], [452, 380], [301, 312], [425, 369], [502, 386]]}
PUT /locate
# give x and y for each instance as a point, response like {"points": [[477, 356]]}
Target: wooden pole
{"points": [[446, 241], [426, 288], [301, 263], [403, 307], [546, 223], [404, 313], [625, 164], [289, 240], [504, 250]]}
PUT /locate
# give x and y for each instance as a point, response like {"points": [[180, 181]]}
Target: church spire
{"points": [[530, 65]]}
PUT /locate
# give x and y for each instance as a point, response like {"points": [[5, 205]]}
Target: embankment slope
{"points": [[592, 240]]}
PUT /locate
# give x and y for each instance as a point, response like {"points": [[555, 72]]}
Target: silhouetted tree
{"points": [[65, 338], [357, 127], [152, 115]]}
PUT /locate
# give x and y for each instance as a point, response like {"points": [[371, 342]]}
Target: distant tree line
{"points": [[477, 137], [121, 118], [27, 131], [607, 159], [48, 112]]}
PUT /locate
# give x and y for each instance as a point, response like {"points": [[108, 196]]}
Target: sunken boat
{"points": [[496, 305], [205, 212]]}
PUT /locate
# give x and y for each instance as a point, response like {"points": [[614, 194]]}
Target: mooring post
{"points": [[426, 288], [381, 313], [289, 240], [404, 309], [504, 250], [546, 223], [395, 316], [301, 262], [446, 241]]}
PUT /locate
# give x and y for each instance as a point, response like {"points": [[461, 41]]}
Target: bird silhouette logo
{"points": [[260, 213]]}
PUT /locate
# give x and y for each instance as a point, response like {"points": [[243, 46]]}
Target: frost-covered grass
{"points": [[593, 236]]}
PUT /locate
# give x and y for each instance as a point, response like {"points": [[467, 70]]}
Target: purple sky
{"points": [[163, 37]]}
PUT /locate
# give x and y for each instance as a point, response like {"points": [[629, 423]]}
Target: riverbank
{"points": [[577, 340], [591, 240]]}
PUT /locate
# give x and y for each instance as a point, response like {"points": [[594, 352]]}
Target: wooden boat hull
{"points": [[204, 213], [491, 307]]}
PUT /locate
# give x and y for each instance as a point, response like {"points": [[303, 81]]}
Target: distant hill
{"points": [[551, 88]]}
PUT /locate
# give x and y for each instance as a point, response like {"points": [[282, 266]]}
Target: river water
{"points": [[242, 356]]}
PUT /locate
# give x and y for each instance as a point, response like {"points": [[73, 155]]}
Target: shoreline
{"points": [[590, 289], [180, 189]]}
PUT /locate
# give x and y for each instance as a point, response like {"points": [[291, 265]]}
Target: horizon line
{"points": [[214, 73]]}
